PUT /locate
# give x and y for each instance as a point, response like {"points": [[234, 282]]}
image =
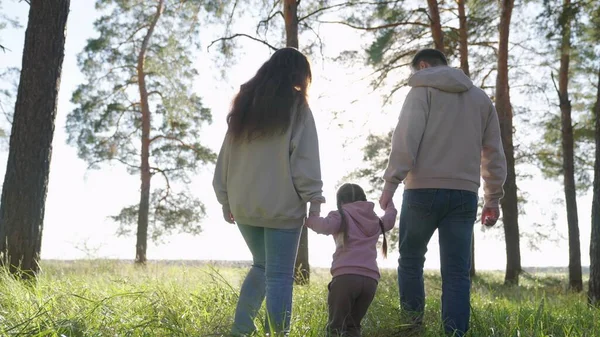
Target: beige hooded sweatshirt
{"points": [[447, 137], [269, 181]]}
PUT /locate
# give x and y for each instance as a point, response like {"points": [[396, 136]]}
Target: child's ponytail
{"points": [[384, 247], [343, 224]]}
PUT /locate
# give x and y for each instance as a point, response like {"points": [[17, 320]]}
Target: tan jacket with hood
{"points": [[447, 137], [269, 181]]}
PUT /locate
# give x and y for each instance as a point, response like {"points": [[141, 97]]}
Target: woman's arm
{"points": [[220, 180], [305, 162]]}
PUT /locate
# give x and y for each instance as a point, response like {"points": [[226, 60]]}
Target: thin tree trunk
{"points": [[144, 208], [594, 283], [436, 25], [26, 180], [290, 14], [510, 210], [575, 277], [464, 65], [463, 38]]}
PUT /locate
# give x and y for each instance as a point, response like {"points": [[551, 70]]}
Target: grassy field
{"points": [[107, 298]]}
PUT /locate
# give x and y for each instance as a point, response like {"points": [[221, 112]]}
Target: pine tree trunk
{"points": [[290, 14], [144, 208], [594, 283], [510, 209], [436, 25], [463, 38], [575, 277], [26, 181], [464, 65]]}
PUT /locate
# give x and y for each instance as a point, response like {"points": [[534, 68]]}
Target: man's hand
{"points": [[229, 217], [386, 198], [490, 215]]}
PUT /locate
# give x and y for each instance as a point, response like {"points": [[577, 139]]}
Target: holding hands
{"points": [[228, 217], [386, 199]]}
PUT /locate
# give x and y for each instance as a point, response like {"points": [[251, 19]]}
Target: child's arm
{"points": [[329, 225], [389, 219]]}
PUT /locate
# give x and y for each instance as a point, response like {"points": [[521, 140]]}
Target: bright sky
{"points": [[79, 201]]}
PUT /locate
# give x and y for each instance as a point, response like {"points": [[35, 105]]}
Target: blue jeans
{"points": [[452, 213], [272, 274]]}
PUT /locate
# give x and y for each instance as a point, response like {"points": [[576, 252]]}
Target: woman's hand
{"points": [[228, 217]]}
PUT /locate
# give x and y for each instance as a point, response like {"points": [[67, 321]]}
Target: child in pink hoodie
{"points": [[356, 229]]}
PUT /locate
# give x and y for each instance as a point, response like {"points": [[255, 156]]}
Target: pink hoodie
{"points": [[359, 255]]}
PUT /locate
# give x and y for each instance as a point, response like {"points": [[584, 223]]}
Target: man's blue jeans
{"points": [[272, 273], [452, 213]]}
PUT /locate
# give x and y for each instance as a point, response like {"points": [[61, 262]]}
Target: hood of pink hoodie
{"points": [[364, 216]]}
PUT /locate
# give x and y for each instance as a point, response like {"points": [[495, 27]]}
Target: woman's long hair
{"points": [[349, 193], [264, 105]]}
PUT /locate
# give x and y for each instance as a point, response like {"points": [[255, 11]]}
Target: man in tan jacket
{"points": [[447, 138]]}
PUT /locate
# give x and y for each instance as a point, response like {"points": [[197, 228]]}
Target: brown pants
{"points": [[348, 300]]}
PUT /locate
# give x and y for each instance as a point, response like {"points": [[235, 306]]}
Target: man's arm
{"points": [[493, 162], [407, 138], [389, 219]]}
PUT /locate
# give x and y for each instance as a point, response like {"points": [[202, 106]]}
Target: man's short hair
{"points": [[432, 56]]}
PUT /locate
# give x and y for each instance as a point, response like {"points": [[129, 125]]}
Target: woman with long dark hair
{"points": [[267, 172]]}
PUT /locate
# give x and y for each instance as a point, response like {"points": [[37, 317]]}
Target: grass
{"points": [[108, 298]]}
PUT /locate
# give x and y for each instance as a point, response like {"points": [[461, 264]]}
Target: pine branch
{"points": [[242, 35], [156, 92], [229, 22], [388, 97], [389, 25], [307, 26], [175, 139], [122, 161], [561, 100], [486, 77], [132, 35], [345, 4], [164, 174], [267, 20]]}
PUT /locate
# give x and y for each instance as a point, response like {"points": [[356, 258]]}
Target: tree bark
{"points": [[436, 25], [575, 277], [290, 14], [26, 180], [463, 38], [464, 65], [144, 208], [510, 209], [594, 283]]}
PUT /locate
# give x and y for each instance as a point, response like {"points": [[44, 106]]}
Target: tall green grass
{"points": [[107, 298]]}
